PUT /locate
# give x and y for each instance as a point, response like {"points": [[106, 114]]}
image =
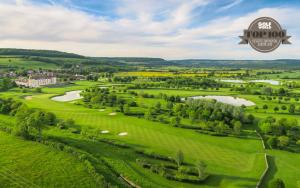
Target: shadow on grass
{"points": [[271, 173], [215, 180]]}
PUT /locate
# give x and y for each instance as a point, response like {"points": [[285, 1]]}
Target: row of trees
{"points": [[290, 108], [30, 122], [281, 133], [6, 84], [209, 114]]}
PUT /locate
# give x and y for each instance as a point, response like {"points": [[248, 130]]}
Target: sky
{"points": [[170, 29]]}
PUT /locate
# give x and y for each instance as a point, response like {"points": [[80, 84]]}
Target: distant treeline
{"points": [[156, 62], [40, 53], [271, 64]]}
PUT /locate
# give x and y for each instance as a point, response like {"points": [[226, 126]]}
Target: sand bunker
{"points": [[69, 96], [123, 134], [113, 114], [104, 132], [101, 110], [28, 98]]}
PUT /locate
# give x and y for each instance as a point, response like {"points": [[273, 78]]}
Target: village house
{"points": [[37, 80]]}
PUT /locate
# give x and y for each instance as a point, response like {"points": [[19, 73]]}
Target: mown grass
{"points": [[232, 161], [29, 164]]}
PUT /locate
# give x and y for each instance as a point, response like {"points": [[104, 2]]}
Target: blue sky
{"points": [[172, 29]]}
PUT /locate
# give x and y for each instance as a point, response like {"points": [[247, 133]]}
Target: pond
{"points": [[235, 101], [272, 82], [69, 96], [233, 81]]}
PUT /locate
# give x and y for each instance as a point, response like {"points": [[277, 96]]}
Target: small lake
{"points": [[233, 81], [235, 101], [272, 82], [69, 96]]}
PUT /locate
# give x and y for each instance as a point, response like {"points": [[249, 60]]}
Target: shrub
{"points": [[272, 142], [276, 183]]}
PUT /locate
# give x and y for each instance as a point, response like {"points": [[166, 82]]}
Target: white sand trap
{"points": [[113, 114], [28, 98], [104, 132], [101, 110], [123, 134], [69, 96]]}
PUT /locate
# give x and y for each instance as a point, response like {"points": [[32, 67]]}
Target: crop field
{"points": [[184, 74]]}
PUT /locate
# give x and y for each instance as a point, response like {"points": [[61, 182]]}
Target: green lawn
{"points": [[234, 162], [26, 164]]}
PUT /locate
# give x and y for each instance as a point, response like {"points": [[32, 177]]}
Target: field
{"points": [[232, 159], [28, 164], [20, 63]]}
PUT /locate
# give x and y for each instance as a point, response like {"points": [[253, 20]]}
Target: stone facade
{"points": [[35, 81]]}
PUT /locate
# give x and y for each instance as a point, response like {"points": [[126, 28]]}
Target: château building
{"points": [[37, 80]]}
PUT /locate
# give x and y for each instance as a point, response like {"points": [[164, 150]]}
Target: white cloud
{"points": [[230, 5], [137, 32]]}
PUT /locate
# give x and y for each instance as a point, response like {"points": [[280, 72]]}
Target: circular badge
{"points": [[264, 35]]}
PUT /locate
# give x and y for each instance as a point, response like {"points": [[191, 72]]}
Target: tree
{"points": [[37, 121], [283, 141], [292, 108], [126, 109], [50, 118], [272, 142], [276, 109], [283, 107], [237, 127], [175, 121], [170, 106], [265, 107], [250, 118], [277, 183], [38, 90], [179, 158], [158, 107], [70, 123], [201, 167]]}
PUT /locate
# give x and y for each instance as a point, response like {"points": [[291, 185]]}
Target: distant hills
{"points": [[153, 62], [39, 53], [269, 64]]}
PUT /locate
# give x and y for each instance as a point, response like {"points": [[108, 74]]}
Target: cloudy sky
{"points": [[171, 29]]}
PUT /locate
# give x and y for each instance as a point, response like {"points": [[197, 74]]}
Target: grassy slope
{"points": [[283, 163], [29, 164], [20, 63], [235, 162]]}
